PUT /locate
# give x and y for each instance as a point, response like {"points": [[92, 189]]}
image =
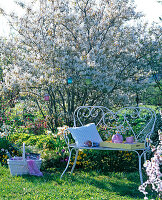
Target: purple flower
{"points": [[57, 152], [63, 150]]}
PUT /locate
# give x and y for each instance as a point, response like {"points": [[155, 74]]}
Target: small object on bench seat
{"points": [[91, 144], [88, 143], [130, 139], [135, 125], [95, 144], [117, 138]]}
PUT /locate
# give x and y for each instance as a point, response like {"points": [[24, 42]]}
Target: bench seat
{"points": [[73, 145]]}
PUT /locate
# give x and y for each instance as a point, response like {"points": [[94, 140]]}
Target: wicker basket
{"points": [[18, 166]]}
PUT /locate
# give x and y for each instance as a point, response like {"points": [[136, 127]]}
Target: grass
{"points": [[81, 185]]}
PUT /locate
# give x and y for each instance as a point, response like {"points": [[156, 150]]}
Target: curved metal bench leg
{"points": [[140, 167], [70, 151], [144, 156], [76, 155]]}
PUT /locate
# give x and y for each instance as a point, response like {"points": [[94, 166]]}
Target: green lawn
{"points": [[82, 185]]}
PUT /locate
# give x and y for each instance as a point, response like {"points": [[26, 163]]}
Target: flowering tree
{"points": [[8, 96], [79, 52]]}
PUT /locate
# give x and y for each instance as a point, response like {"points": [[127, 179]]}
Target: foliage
{"points": [[54, 151], [106, 161], [38, 127], [51, 145], [40, 141], [51, 148], [5, 147], [54, 158], [152, 95], [55, 154]]}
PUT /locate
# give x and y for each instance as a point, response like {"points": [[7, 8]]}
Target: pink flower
{"points": [[153, 172], [63, 150]]}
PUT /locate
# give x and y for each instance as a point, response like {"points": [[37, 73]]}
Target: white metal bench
{"points": [[135, 121]]}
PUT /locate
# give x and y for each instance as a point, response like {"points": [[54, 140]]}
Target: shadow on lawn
{"points": [[122, 185], [119, 187], [100, 181]]}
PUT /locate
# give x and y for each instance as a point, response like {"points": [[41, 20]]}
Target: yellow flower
{"points": [[79, 157]]}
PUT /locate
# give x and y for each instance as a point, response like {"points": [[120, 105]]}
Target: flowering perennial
{"points": [[153, 172]]}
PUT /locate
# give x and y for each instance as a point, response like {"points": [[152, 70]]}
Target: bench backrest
{"points": [[129, 121]]}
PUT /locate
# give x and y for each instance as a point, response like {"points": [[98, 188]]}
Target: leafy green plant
{"points": [[106, 161], [52, 149], [6, 148]]}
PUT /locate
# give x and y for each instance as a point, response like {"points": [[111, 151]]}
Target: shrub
{"points": [[38, 127], [5, 147], [52, 149], [56, 159], [106, 160]]}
